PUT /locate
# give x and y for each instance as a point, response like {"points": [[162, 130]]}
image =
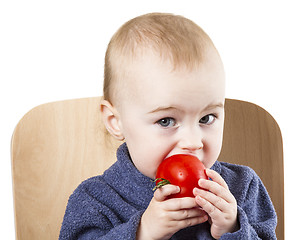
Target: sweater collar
{"points": [[135, 185], [216, 167]]}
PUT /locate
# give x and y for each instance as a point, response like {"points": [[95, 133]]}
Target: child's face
{"points": [[167, 112]]}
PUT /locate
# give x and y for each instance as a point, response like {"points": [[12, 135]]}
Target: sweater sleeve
{"points": [[256, 214], [124, 231], [88, 217]]}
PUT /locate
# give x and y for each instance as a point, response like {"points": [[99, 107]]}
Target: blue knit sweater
{"points": [[109, 207]]}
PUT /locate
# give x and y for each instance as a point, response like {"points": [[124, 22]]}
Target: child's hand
{"points": [[164, 217], [219, 203]]}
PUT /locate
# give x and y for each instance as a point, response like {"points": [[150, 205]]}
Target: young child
{"points": [[164, 94]]}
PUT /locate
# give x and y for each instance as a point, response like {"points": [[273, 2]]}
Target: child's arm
{"points": [[91, 214], [88, 218], [164, 217]]}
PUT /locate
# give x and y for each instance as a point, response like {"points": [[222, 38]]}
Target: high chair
{"points": [[57, 145]]}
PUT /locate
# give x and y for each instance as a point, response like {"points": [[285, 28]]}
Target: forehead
{"points": [[155, 80]]}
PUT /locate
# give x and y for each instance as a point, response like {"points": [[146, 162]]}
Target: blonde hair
{"points": [[171, 36]]}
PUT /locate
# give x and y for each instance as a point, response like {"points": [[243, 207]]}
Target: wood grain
{"points": [[253, 138]]}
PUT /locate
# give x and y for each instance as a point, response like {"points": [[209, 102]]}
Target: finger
{"points": [[162, 193], [211, 210], [216, 189], [176, 204], [216, 178], [188, 222], [187, 213], [215, 200]]}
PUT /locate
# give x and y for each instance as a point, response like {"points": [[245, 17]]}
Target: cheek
{"points": [[146, 160], [212, 148], [147, 152]]}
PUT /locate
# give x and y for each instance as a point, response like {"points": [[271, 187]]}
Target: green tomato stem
{"points": [[161, 183]]}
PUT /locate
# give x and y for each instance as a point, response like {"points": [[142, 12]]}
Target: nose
{"points": [[191, 140]]}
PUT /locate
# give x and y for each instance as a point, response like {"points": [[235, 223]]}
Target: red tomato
{"points": [[181, 170]]}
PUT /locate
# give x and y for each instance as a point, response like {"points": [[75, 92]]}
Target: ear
{"points": [[111, 119]]}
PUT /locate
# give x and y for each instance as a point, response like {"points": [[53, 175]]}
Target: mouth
{"points": [[188, 154]]}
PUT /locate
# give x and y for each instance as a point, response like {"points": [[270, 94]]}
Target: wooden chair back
{"points": [[57, 145]]}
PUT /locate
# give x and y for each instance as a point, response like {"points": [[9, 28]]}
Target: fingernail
{"points": [[205, 218]]}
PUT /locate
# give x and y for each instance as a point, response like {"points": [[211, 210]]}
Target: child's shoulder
{"points": [[95, 185], [90, 186], [226, 166], [236, 174], [241, 180], [235, 169]]}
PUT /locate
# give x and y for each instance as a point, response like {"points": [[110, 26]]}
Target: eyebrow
{"points": [[163, 109], [213, 106], [173, 108]]}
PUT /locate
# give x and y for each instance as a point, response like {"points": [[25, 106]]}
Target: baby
{"points": [[164, 94]]}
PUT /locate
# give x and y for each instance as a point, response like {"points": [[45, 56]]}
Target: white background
{"points": [[54, 50]]}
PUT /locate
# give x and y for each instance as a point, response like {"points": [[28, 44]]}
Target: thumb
{"points": [[162, 193]]}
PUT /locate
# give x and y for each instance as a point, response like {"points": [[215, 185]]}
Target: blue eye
{"points": [[166, 122], [208, 119]]}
